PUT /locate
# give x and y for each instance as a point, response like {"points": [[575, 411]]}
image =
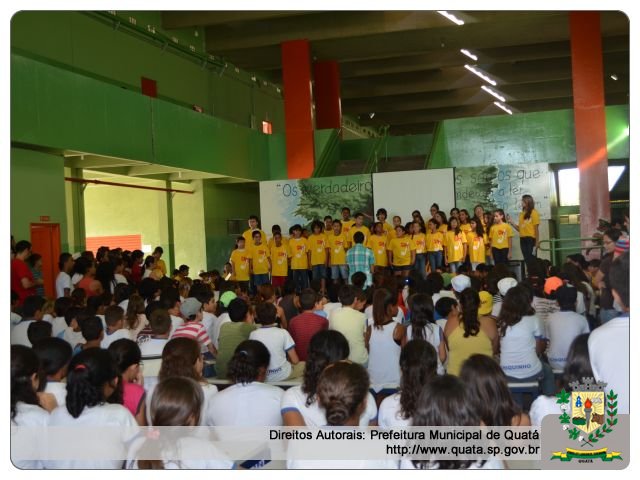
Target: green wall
{"points": [[37, 189], [82, 43], [188, 229], [222, 202], [402, 146]]}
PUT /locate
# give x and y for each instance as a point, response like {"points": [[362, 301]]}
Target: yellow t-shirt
{"points": [[240, 261], [346, 226], [353, 230], [279, 264], [401, 249], [160, 265], [318, 247], [298, 248], [378, 245], [248, 237], [455, 246], [420, 240], [435, 241], [444, 228], [259, 257], [465, 227], [527, 227], [272, 243], [500, 234], [477, 253], [388, 230], [337, 244]]}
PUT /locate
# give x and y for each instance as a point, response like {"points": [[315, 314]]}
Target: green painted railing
{"points": [[555, 245], [372, 163], [329, 158]]}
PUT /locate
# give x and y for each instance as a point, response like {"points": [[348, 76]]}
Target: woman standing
{"points": [[607, 310], [527, 227]]}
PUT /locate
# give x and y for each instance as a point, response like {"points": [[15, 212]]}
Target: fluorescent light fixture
{"points": [[493, 92], [614, 77], [468, 54], [480, 74], [451, 17], [503, 107]]}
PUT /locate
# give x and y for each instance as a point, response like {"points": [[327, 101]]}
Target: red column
{"points": [[326, 91], [298, 112], [589, 115]]}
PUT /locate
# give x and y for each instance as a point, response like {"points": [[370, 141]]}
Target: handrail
{"points": [[324, 165], [554, 241], [371, 165]]}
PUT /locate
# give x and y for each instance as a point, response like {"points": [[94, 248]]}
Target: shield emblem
{"points": [[587, 410]]}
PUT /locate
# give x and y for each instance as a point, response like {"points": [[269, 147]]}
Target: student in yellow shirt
{"points": [[337, 253], [260, 261], [443, 225], [528, 225], [271, 242], [476, 244], [420, 239], [279, 261], [254, 223], [387, 228], [240, 262], [378, 242], [435, 208], [299, 256], [464, 221], [455, 242], [500, 236], [160, 265], [346, 222], [318, 253], [435, 243], [455, 213], [358, 227], [328, 225], [402, 253]]}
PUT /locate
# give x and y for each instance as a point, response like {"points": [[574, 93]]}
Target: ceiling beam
{"points": [[177, 19], [96, 161]]}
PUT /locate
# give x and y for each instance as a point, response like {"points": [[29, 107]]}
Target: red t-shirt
{"points": [[20, 270], [304, 326]]}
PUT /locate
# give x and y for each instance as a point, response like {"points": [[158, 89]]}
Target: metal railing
{"points": [[328, 161], [556, 245]]}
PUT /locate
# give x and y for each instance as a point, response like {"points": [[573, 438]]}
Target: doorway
{"points": [[45, 240]]}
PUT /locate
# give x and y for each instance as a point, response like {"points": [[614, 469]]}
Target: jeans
{"points": [[454, 266], [318, 272], [260, 279], [338, 271], [527, 244], [301, 279], [421, 264], [500, 255], [435, 260]]}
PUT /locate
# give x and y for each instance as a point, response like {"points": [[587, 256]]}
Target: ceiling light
{"points": [[477, 72], [493, 92], [451, 17], [372, 114], [468, 54], [503, 107], [614, 77]]}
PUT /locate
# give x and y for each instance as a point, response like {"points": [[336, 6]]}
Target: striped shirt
{"points": [[195, 330]]}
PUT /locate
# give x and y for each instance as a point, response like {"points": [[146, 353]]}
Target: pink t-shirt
{"points": [[132, 396]]}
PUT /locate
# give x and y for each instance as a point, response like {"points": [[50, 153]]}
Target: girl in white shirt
{"points": [[54, 355], [135, 319], [25, 407], [423, 326], [299, 405], [418, 364], [94, 398], [443, 403], [249, 402], [176, 402]]}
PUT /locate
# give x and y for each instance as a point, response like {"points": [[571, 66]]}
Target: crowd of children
{"points": [[124, 345]]}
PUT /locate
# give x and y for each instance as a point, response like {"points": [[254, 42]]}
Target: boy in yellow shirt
{"points": [[500, 236], [378, 244], [387, 228], [337, 254], [358, 227], [280, 261], [435, 242], [420, 239], [455, 242], [275, 229], [401, 252], [318, 253], [346, 222], [253, 227], [476, 244], [299, 255], [239, 261], [260, 261]]}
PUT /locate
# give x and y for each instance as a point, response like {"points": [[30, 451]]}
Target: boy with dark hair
{"points": [[351, 323], [63, 280], [318, 257], [191, 310], [254, 226], [31, 312], [280, 261], [358, 226], [337, 253], [22, 280], [38, 331], [239, 261], [346, 222], [151, 347], [58, 324], [259, 261], [359, 258], [92, 331], [160, 265], [381, 216], [233, 333], [299, 257], [114, 319], [304, 326]]}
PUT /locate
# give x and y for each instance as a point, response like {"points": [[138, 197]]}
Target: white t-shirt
{"points": [[105, 415], [252, 405], [544, 307], [541, 407], [442, 293], [124, 304], [210, 458], [19, 333], [75, 278], [58, 326], [120, 279], [73, 338], [330, 307], [518, 356], [368, 312], [562, 328], [29, 416], [294, 399], [215, 327], [434, 335], [176, 322], [15, 319], [108, 339], [208, 319], [63, 280], [278, 341], [58, 390], [151, 351], [384, 358], [389, 413], [609, 355], [208, 389]]}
